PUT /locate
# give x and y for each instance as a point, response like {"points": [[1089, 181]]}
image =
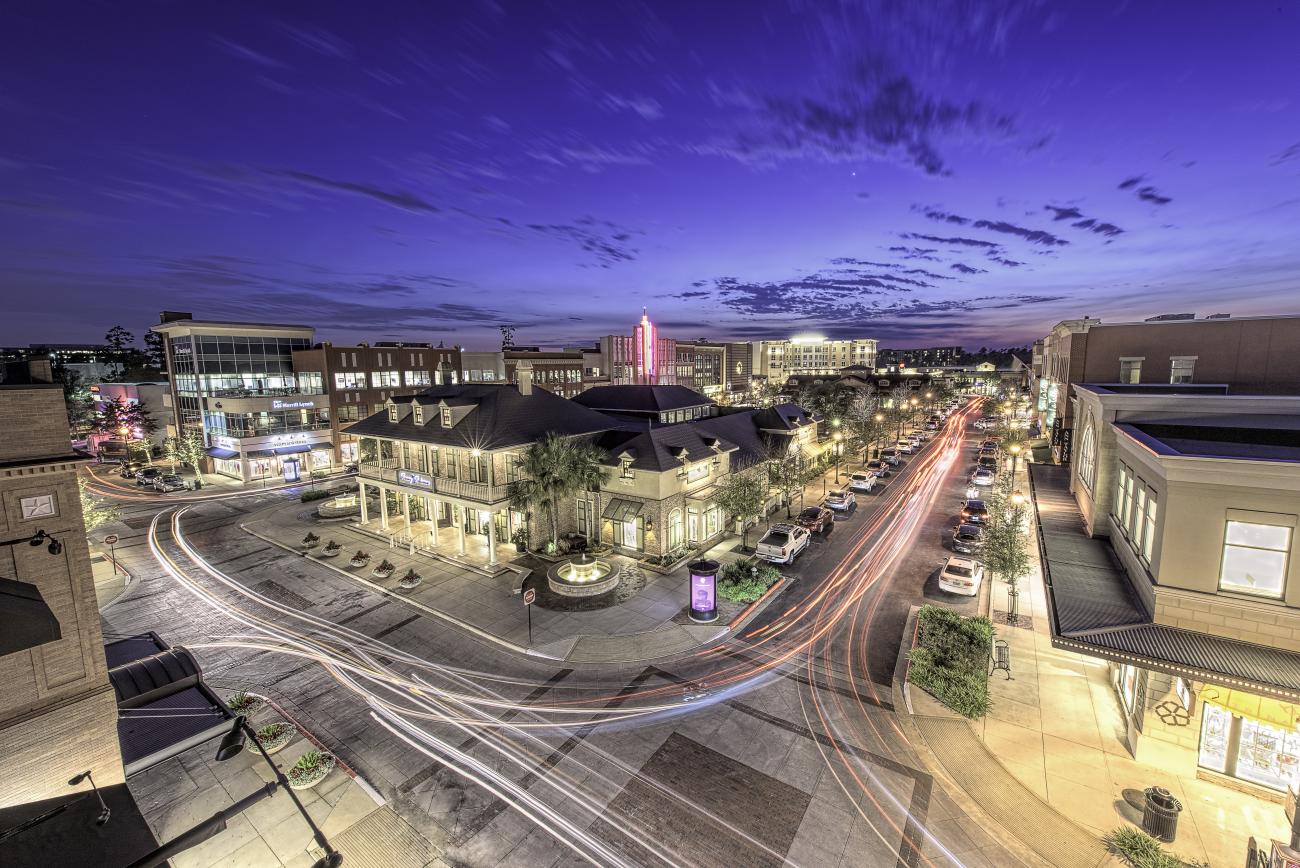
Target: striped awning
{"points": [[622, 509]]}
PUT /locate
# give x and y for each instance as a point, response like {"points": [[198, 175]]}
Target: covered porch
{"points": [[437, 525]]}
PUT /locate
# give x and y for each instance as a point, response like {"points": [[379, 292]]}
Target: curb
{"points": [[379, 589], [902, 700]]}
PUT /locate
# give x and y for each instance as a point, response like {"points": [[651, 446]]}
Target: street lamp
{"points": [[1017, 498], [1014, 449], [837, 448]]}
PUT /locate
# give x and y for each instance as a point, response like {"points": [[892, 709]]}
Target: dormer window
{"points": [[392, 412], [625, 468], [418, 411], [446, 417]]}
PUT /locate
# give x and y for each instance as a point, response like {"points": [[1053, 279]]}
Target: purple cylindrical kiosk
{"points": [[704, 591]]}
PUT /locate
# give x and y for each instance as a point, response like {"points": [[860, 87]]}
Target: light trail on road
{"points": [[412, 707]]}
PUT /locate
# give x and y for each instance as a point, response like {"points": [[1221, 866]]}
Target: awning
{"points": [[292, 450], [261, 453], [223, 454], [1253, 706], [704, 495], [26, 620], [621, 509]]}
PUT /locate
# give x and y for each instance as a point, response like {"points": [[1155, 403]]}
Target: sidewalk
{"points": [[1057, 726], [645, 626]]}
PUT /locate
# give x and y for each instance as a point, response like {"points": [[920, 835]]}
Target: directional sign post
{"points": [[530, 597], [110, 541]]}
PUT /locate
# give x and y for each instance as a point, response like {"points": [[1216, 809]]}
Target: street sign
{"points": [[110, 539], [530, 596]]}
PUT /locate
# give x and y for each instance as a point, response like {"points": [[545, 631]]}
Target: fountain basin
{"points": [[337, 507], [582, 576]]}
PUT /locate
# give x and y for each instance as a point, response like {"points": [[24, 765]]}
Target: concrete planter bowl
{"points": [[310, 769], [384, 570], [359, 560], [246, 703], [274, 737], [411, 580], [331, 550], [310, 541]]}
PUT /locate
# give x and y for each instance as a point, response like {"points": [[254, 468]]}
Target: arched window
{"points": [[674, 528], [1088, 455]]}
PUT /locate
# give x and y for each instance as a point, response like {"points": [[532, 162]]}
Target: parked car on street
{"points": [[982, 476], [968, 538], [862, 481], [130, 469], [148, 476], [989, 461], [170, 482], [891, 457], [879, 467], [815, 519], [841, 500], [782, 543], [961, 576], [974, 511], [904, 446]]}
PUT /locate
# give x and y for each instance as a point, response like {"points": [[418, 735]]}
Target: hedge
{"points": [[739, 583], [950, 660], [314, 494]]}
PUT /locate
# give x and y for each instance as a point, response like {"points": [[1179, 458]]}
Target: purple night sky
{"points": [[919, 172]]}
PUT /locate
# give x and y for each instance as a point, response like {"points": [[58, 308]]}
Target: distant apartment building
{"points": [[778, 360], [702, 366], [90, 362], [1250, 355], [928, 357], [233, 384], [560, 372], [355, 381], [641, 358], [482, 366], [740, 366]]}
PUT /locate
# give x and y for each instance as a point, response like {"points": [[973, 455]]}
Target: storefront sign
{"points": [[226, 443], [287, 439], [419, 480], [704, 587], [279, 404]]}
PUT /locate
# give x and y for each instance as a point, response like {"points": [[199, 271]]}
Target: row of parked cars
{"points": [[963, 575], [154, 477]]}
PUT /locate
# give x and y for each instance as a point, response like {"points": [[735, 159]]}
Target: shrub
{"points": [[310, 538], [738, 581], [950, 659], [310, 767], [243, 702], [314, 494], [273, 736], [1140, 850]]}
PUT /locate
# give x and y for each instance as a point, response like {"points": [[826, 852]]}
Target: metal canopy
{"points": [[25, 619], [621, 509]]}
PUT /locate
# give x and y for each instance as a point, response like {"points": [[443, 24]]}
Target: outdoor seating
{"points": [[1000, 658]]}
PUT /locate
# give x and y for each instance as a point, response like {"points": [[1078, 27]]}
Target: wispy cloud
{"points": [[244, 53]]}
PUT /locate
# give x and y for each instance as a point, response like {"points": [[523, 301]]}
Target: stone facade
{"points": [[58, 714]]}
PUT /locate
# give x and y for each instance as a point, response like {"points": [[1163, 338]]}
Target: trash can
{"points": [[1160, 814]]}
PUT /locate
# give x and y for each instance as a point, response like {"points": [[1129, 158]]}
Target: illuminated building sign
{"points": [[643, 336], [417, 480], [278, 404], [704, 591]]}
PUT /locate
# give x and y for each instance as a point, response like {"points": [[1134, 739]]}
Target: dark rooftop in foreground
{"points": [[641, 399]]}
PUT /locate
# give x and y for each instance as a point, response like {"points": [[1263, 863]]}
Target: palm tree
{"points": [[554, 469]]}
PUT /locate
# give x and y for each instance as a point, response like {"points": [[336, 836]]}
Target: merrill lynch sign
{"points": [[407, 477], [280, 404]]}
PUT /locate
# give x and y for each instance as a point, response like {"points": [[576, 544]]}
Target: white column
{"points": [[406, 510], [435, 512], [361, 492], [383, 507], [460, 514], [492, 539]]}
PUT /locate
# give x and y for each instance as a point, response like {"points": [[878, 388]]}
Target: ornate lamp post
{"points": [[837, 448]]}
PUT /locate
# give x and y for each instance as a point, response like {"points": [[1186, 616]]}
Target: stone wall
{"points": [[1262, 623]]}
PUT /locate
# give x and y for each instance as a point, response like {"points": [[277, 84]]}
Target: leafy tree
{"points": [[788, 472], [187, 450], [554, 469], [763, 393], [831, 400], [155, 351], [1006, 544], [743, 495], [93, 512], [866, 424], [119, 341]]}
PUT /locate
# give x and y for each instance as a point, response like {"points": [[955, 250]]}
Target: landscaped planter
{"points": [[310, 540], [274, 737], [331, 550], [410, 580], [312, 768], [360, 559], [245, 703], [384, 570]]}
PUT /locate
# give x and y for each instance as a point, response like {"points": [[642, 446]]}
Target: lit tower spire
{"points": [[644, 336]]}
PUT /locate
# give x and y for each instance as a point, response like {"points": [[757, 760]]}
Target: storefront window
{"points": [[1216, 724], [1251, 750]]}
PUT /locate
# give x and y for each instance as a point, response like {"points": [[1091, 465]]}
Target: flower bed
{"points": [[274, 737], [745, 580], [410, 580], [310, 769], [313, 494], [950, 659]]}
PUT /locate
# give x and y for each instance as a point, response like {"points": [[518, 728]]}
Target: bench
{"points": [[1000, 658]]}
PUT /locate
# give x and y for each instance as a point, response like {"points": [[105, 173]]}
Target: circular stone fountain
{"points": [[582, 576]]}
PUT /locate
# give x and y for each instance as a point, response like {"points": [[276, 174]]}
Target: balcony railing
{"points": [[241, 432], [241, 392], [387, 469]]}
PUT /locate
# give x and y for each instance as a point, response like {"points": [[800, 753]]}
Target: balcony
{"points": [[388, 470], [242, 432], [241, 392]]}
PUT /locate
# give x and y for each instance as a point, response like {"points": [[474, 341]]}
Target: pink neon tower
{"points": [[644, 339]]}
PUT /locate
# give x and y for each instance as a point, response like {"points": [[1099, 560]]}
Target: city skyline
{"points": [[959, 174]]}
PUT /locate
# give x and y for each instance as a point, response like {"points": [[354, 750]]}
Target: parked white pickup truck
{"points": [[782, 543]]}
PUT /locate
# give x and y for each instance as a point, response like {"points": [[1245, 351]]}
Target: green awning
{"points": [[621, 509]]}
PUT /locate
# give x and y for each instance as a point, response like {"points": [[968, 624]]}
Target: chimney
{"points": [[524, 377]]}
